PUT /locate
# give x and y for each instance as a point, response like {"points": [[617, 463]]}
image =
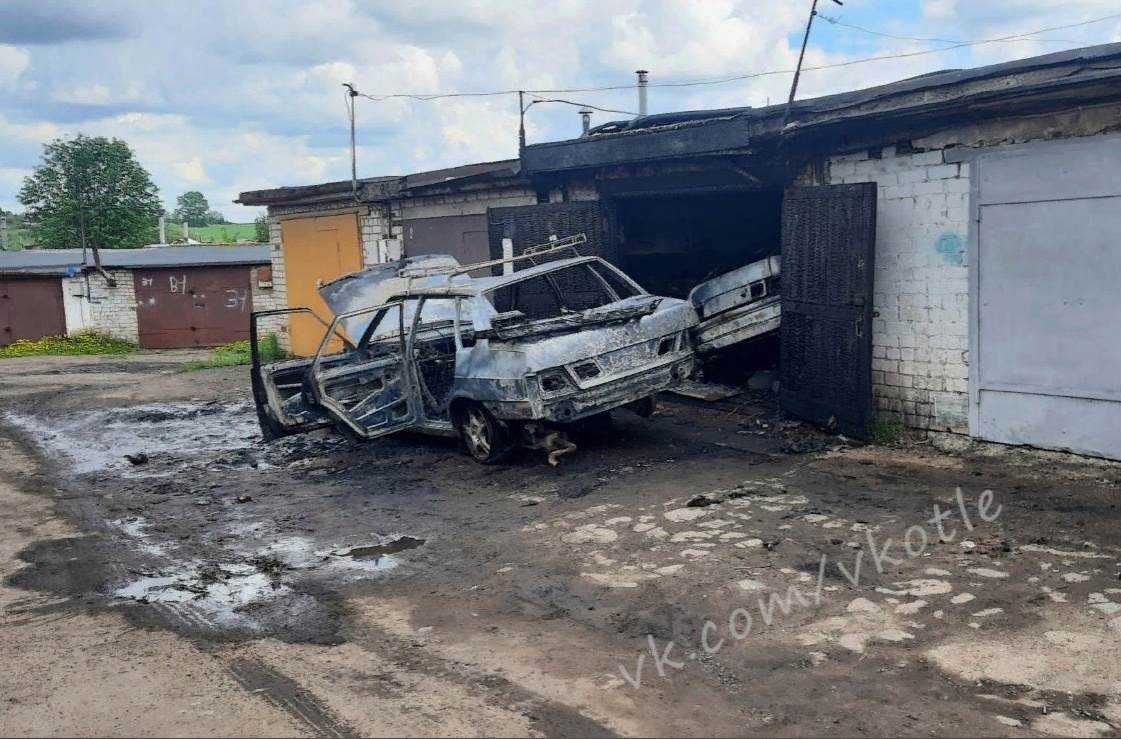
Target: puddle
{"points": [[95, 441], [377, 551]]}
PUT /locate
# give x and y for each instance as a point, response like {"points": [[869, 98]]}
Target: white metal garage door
{"points": [[1046, 334]]}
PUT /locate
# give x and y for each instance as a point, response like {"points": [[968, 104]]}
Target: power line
{"points": [[578, 104], [753, 75], [1018, 37]]}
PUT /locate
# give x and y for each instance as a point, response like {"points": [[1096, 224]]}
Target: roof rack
{"points": [[537, 250]]}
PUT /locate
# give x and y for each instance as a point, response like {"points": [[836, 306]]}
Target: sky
{"points": [[225, 97]]}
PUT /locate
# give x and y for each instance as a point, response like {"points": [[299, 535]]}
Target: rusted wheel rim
{"points": [[477, 433]]}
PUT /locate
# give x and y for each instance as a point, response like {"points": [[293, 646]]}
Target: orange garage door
{"points": [[316, 251]]}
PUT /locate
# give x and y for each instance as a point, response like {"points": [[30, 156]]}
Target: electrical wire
{"points": [[954, 44], [1018, 37], [539, 99]]}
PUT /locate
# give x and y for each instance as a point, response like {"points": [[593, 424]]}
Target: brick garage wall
{"points": [[112, 309], [920, 363]]}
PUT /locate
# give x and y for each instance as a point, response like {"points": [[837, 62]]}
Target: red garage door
{"points": [[192, 306], [30, 309]]}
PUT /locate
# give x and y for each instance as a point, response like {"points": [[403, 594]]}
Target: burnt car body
{"points": [[423, 344], [739, 306]]}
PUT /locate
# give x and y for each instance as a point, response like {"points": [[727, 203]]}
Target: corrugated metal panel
{"points": [[31, 309], [828, 251], [527, 225], [197, 306]]}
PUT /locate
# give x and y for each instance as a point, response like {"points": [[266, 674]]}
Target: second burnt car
{"points": [[430, 345]]}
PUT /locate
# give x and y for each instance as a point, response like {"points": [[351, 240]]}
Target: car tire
{"points": [[484, 437]]}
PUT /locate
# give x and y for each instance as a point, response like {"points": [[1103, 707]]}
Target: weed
{"points": [[887, 429], [83, 343], [238, 353]]}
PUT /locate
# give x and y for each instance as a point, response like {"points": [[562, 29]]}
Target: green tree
{"points": [[215, 217], [261, 223], [192, 208], [90, 192]]}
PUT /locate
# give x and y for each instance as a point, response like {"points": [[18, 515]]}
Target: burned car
{"points": [[430, 345]]}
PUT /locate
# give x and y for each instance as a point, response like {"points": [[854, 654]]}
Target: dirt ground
{"points": [[314, 586]]}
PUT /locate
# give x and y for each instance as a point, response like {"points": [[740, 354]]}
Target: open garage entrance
{"points": [[669, 244]]}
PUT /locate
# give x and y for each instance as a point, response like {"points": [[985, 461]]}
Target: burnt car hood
{"points": [[375, 285]]}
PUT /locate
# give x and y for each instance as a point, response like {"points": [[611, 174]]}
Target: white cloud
{"points": [[191, 172], [226, 97], [939, 10], [14, 61]]}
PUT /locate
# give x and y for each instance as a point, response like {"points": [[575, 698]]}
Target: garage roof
{"points": [[69, 261], [1061, 81], [375, 189]]}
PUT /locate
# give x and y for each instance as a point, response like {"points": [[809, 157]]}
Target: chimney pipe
{"points": [[586, 120], [642, 91]]}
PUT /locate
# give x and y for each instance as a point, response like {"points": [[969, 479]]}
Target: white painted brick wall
{"points": [[113, 309], [279, 294], [921, 329]]}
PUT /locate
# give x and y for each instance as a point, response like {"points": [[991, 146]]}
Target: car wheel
{"points": [[484, 437]]}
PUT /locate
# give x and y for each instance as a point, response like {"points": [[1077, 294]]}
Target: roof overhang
{"points": [[901, 110]]}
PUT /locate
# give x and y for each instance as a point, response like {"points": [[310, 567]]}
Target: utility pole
{"points": [[802, 56], [521, 123], [351, 94]]}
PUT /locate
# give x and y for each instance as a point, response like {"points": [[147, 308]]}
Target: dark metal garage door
{"points": [[828, 248], [463, 237], [30, 309], [196, 306]]}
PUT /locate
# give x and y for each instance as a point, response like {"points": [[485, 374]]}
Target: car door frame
{"points": [[409, 394]]}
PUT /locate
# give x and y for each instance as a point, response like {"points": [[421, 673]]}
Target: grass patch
{"points": [[83, 343], [887, 429], [238, 353], [219, 233]]}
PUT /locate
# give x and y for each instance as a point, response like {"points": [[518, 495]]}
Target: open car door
{"points": [[278, 384], [369, 389]]}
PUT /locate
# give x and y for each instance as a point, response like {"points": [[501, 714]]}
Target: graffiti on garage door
{"points": [[199, 306]]}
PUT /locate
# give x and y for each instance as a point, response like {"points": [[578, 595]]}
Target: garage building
{"points": [[320, 232], [946, 241], [157, 297]]}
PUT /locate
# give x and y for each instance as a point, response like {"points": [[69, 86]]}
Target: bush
{"points": [[238, 353], [86, 342], [261, 228]]}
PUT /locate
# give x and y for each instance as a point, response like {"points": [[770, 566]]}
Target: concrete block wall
{"points": [[920, 365], [464, 204], [112, 309]]}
